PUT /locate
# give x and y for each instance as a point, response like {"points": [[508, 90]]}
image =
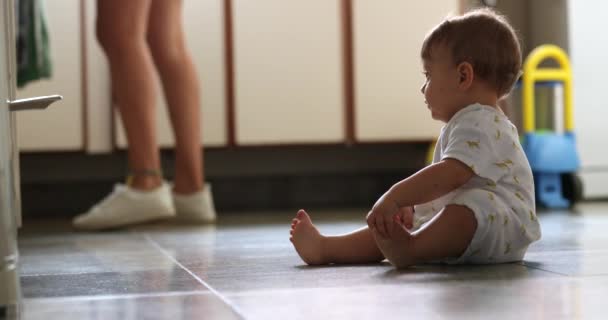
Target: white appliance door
{"points": [[10, 200], [9, 278]]}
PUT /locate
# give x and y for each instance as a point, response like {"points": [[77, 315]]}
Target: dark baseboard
{"points": [[65, 184]]}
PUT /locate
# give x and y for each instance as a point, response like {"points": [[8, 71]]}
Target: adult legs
{"points": [[180, 83], [121, 31]]}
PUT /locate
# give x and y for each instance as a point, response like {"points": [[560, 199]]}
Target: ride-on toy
{"points": [[552, 155]]}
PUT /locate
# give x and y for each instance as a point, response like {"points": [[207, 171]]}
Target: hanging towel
{"points": [[33, 51]]}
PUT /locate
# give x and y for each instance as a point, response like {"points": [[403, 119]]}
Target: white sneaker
{"points": [[195, 207], [126, 206]]}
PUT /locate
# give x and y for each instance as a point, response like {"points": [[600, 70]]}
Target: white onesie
{"points": [[501, 193]]}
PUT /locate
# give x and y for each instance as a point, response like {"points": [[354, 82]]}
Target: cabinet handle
{"points": [[33, 103]]}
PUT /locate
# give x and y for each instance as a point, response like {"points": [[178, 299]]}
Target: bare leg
{"points": [[121, 30], [447, 235], [181, 86], [355, 247]]}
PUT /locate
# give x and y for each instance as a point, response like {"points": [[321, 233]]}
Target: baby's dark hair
{"points": [[486, 40]]}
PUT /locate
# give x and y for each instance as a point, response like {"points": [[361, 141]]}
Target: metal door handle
{"points": [[33, 103]]}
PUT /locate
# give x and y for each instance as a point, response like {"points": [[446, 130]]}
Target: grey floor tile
{"points": [[241, 240], [573, 230], [247, 258], [109, 283], [234, 280], [570, 262], [537, 298], [180, 306], [89, 253]]}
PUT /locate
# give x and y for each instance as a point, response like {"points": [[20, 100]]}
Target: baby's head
{"points": [[475, 56]]}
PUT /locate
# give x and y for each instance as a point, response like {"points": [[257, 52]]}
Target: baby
{"points": [[475, 203]]}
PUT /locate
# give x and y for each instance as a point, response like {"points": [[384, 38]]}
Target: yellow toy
{"points": [[552, 156]]}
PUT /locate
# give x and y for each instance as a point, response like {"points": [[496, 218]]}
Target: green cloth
{"points": [[33, 51]]}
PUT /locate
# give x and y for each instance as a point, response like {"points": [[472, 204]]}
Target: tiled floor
{"points": [[245, 267]]}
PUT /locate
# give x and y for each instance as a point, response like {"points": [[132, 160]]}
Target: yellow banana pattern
{"points": [[507, 248], [473, 144], [502, 165], [511, 184]]}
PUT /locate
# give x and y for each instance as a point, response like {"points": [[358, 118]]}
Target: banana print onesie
{"points": [[501, 193]]}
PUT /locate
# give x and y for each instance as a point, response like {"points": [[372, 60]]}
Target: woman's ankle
{"points": [[144, 179], [145, 182], [187, 187]]}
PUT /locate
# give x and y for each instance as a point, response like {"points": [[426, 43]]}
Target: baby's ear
{"points": [[466, 74]]}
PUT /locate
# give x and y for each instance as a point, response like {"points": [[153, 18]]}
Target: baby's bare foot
{"points": [[397, 249], [306, 239]]}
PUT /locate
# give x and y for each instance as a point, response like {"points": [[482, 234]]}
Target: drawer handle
{"points": [[33, 103]]}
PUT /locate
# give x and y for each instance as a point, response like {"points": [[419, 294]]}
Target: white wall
{"points": [[588, 49]]}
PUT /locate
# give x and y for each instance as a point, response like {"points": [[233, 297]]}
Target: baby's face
{"points": [[440, 88]]}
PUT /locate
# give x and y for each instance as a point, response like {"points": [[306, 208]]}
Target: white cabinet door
{"points": [[204, 28], [388, 72], [59, 128], [288, 72]]}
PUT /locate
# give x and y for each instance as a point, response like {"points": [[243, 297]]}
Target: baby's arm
{"points": [[426, 185], [430, 183]]}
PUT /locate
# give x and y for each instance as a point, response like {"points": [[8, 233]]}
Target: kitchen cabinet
{"points": [[387, 37], [288, 72]]}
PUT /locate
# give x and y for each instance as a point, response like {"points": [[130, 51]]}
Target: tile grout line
{"points": [[52, 274], [122, 296], [197, 278], [571, 276], [549, 271]]}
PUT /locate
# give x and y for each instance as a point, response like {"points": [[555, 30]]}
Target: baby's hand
{"points": [[383, 216], [407, 217]]}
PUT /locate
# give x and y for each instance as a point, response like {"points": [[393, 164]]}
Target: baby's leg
{"points": [[447, 235], [314, 248]]}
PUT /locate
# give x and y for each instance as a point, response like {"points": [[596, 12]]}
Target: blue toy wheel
{"points": [[572, 187]]}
